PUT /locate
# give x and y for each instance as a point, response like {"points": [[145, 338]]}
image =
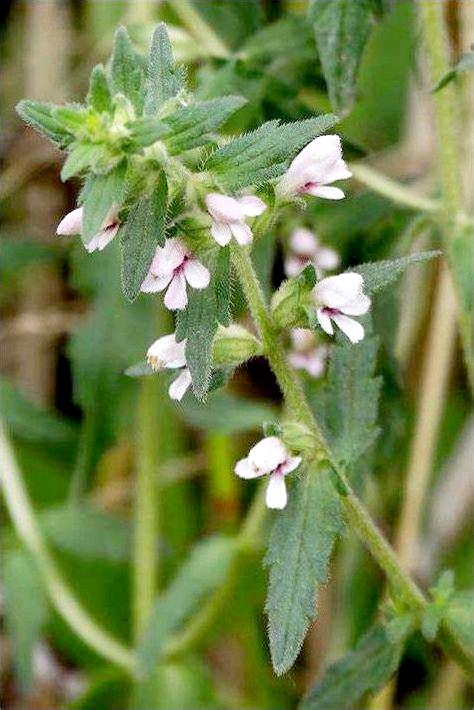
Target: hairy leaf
{"points": [[26, 610], [265, 153], [101, 193], [293, 33], [365, 669], [379, 274], [126, 72], [143, 231], [146, 131], [83, 156], [191, 126], [298, 555], [39, 115], [162, 80], [205, 569], [460, 617], [341, 28], [99, 96]]}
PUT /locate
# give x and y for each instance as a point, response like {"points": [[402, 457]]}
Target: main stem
{"points": [[356, 514]]}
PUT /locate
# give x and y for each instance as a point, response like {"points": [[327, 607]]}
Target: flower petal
{"points": [[294, 265], [339, 291], [176, 298], [179, 387], [290, 465], [221, 233], [70, 223], [168, 258], [242, 232], [326, 258], [268, 454], [328, 193], [245, 469], [358, 306], [154, 284], [252, 206], [276, 496], [102, 238], [223, 208], [324, 321], [166, 352], [303, 242], [350, 327], [196, 274]]}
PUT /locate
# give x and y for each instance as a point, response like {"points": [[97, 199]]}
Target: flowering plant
{"points": [[188, 205]]}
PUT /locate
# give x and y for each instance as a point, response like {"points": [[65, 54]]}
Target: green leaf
{"points": [[26, 611], [366, 669], [106, 689], [351, 396], [293, 33], [126, 72], [71, 116], [298, 556], [146, 131], [191, 126], [143, 231], [379, 274], [459, 615], [341, 28], [225, 413], [87, 533], [101, 193], [38, 115], [162, 80], [99, 96], [139, 369], [466, 62], [83, 156], [205, 569], [198, 323], [265, 153], [177, 685]]}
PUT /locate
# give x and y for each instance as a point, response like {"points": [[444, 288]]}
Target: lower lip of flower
{"points": [[331, 311], [279, 468], [308, 186]]}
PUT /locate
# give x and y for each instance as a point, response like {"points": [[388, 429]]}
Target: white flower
{"points": [[269, 457], [173, 265], [305, 354], [305, 249], [167, 353], [228, 216], [338, 297], [72, 224], [318, 165]]}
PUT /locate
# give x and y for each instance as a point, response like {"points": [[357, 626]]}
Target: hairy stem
{"points": [[61, 597], [356, 514], [145, 559]]}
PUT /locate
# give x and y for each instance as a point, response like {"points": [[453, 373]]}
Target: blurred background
{"points": [[74, 420]]}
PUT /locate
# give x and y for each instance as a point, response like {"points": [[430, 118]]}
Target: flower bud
{"points": [[289, 302], [234, 345], [298, 437]]}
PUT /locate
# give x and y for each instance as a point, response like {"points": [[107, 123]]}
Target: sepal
{"points": [[234, 345]]}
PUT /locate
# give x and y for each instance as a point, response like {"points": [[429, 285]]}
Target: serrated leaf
{"points": [[298, 556], [205, 569], [38, 115], [146, 131], [82, 157], [225, 413], [341, 28], [162, 80], [99, 96], [191, 126], [126, 72], [466, 62], [26, 610], [352, 395], [143, 231], [379, 274], [460, 617], [101, 193], [365, 669], [265, 153]]}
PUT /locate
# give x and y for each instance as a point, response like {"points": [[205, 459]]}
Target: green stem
{"points": [[145, 559], [356, 513], [61, 597]]}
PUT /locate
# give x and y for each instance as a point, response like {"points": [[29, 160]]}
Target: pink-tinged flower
{"points": [[166, 353], [228, 216], [318, 165], [269, 457], [172, 267], [305, 354], [72, 224], [337, 298], [306, 249]]}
